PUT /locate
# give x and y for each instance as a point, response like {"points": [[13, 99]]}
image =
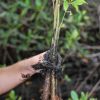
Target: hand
{"points": [[49, 62]]}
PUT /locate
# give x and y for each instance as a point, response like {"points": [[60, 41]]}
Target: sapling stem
{"points": [[50, 92]]}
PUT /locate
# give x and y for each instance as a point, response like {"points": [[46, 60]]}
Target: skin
{"points": [[15, 74]]}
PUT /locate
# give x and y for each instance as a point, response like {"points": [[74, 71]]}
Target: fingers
{"points": [[46, 66], [48, 63]]}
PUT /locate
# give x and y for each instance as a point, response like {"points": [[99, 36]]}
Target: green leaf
{"points": [[38, 3], [77, 3], [84, 96], [75, 34], [27, 2], [67, 78], [12, 95], [74, 95], [65, 5], [76, 8]]}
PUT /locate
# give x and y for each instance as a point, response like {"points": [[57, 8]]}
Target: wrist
{"points": [[25, 66]]}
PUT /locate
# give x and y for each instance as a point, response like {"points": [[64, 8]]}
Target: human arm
{"points": [[14, 75]]}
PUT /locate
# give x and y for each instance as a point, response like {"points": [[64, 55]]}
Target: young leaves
{"points": [[65, 5], [74, 95], [74, 3], [77, 3]]}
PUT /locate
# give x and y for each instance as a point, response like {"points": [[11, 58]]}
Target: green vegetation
{"points": [[22, 26], [12, 96], [74, 3], [83, 96]]}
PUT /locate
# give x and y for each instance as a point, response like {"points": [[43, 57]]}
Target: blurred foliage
{"points": [[74, 31], [22, 24], [73, 3], [83, 96], [27, 26], [12, 96]]}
